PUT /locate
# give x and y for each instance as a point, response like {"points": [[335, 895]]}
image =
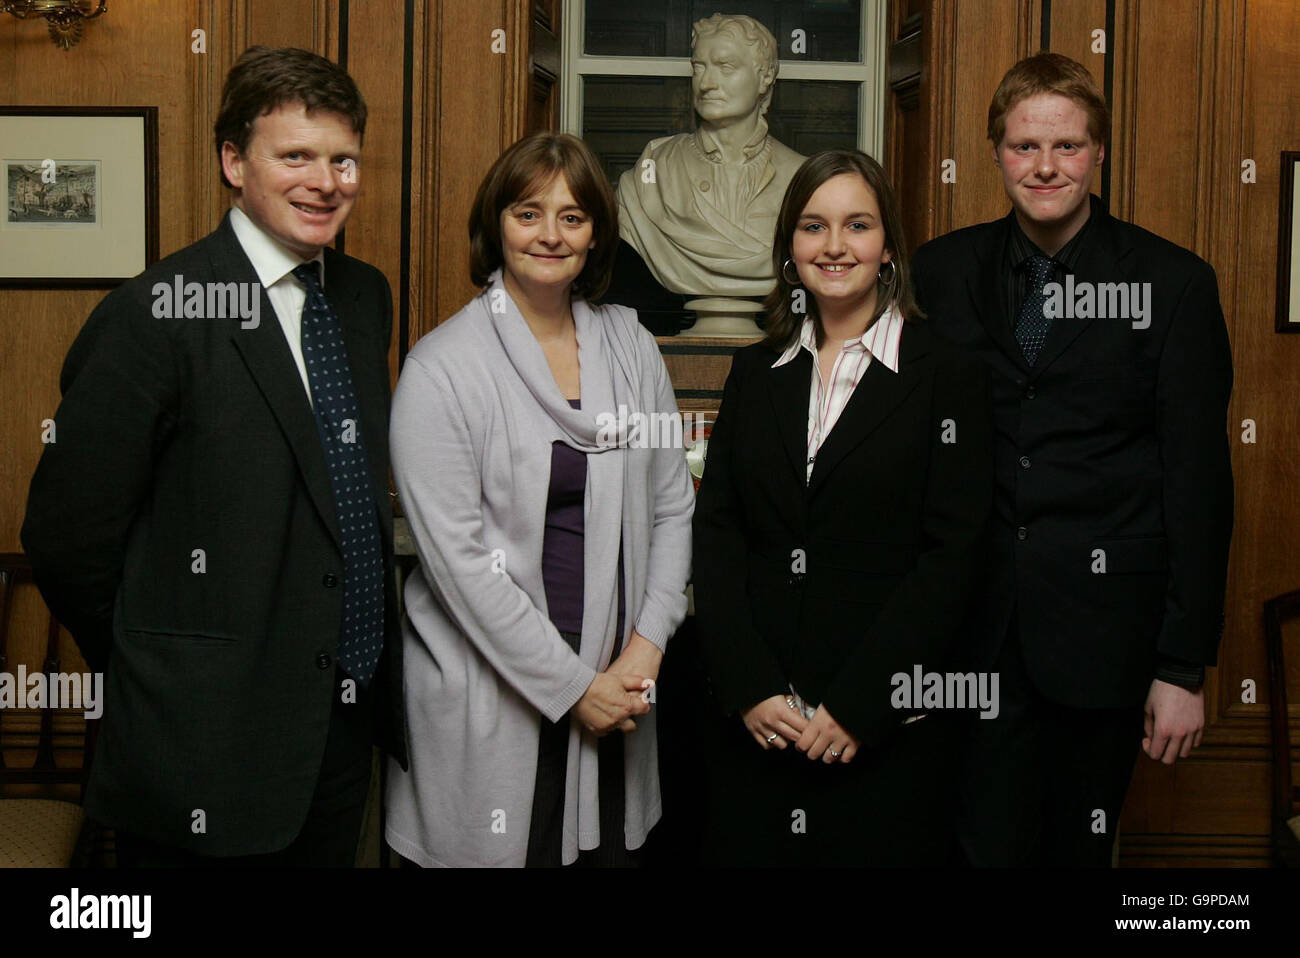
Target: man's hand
{"points": [[1175, 719]]}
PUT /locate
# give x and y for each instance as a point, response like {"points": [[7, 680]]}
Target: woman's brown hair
{"points": [[523, 170], [783, 321]]}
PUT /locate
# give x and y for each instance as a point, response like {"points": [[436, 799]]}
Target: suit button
{"points": [[1022, 533], [1030, 393], [323, 661], [1024, 462], [329, 580]]}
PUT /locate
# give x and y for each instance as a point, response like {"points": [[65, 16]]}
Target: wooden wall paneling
{"points": [[375, 59], [1069, 30], [543, 62], [424, 224], [475, 116], [207, 73], [1121, 153], [1218, 237], [1004, 36], [1164, 91], [935, 127], [1267, 366], [908, 155], [290, 23], [1244, 109], [1070, 26]]}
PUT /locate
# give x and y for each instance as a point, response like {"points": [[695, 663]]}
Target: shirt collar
{"points": [[881, 340], [708, 144], [1021, 247], [271, 261]]}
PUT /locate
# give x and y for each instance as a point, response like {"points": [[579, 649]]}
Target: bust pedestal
{"points": [[724, 316]]}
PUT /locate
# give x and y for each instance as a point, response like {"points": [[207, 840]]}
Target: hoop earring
{"points": [[893, 274], [792, 282]]}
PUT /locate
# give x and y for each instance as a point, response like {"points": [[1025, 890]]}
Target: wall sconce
{"points": [[65, 17]]}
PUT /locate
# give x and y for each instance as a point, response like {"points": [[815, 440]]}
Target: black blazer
{"points": [[177, 435], [888, 527], [1112, 446]]}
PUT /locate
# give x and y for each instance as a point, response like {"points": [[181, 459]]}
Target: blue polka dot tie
{"points": [[338, 421], [1032, 325]]}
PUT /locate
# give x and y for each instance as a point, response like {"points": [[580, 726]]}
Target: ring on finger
{"points": [[771, 738], [834, 754]]}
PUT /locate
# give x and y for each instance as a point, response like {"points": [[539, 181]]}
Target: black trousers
{"points": [[329, 836], [1043, 784], [546, 826]]}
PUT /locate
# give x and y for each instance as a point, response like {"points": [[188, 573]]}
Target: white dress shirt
{"points": [[274, 266], [826, 400]]}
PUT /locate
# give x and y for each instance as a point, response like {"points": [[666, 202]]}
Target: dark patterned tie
{"points": [[1032, 325], [338, 421]]}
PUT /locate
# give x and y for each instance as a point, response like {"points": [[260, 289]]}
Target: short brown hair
{"points": [[783, 323], [1050, 73], [265, 78], [521, 171]]}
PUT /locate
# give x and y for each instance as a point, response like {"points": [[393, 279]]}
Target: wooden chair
{"points": [[36, 831], [1286, 796]]}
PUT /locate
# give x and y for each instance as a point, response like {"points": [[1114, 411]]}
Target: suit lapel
{"points": [[789, 388], [877, 394], [989, 293], [1098, 263], [270, 362]]}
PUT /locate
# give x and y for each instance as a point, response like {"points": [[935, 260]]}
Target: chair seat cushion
{"points": [[38, 833]]}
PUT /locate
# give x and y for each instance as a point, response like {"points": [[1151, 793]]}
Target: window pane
{"points": [[662, 28], [621, 114]]}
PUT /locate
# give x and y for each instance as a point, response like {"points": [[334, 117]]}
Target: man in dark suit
{"points": [[1109, 546], [213, 524]]}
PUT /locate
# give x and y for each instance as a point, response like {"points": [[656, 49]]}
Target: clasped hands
{"points": [[775, 721], [618, 693]]}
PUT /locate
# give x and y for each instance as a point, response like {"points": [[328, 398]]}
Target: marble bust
{"points": [[700, 207]]}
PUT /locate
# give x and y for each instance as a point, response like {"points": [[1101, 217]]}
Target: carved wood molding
{"points": [[1140, 850], [905, 63]]}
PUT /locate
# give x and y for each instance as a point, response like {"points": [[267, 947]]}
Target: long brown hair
{"points": [[783, 322]]}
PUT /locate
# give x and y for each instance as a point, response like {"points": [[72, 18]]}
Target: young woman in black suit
{"points": [[848, 484]]}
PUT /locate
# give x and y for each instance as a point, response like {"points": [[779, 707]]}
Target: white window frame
{"points": [[869, 74]]}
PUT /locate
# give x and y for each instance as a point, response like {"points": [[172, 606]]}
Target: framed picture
{"points": [[1288, 246], [81, 194]]}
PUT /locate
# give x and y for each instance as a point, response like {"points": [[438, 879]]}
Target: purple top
{"points": [[562, 545]]}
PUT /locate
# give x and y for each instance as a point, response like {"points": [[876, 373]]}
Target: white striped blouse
{"points": [[827, 400]]}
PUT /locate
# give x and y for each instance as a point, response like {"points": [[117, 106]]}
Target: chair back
{"points": [[1286, 796], [16, 725]]}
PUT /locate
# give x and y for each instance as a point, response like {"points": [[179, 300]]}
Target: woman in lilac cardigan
{"points": [[554, 545]]}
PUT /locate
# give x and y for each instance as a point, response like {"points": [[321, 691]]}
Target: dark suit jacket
{"points": [[888, 527], [177, 435], [1112, 446]]}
